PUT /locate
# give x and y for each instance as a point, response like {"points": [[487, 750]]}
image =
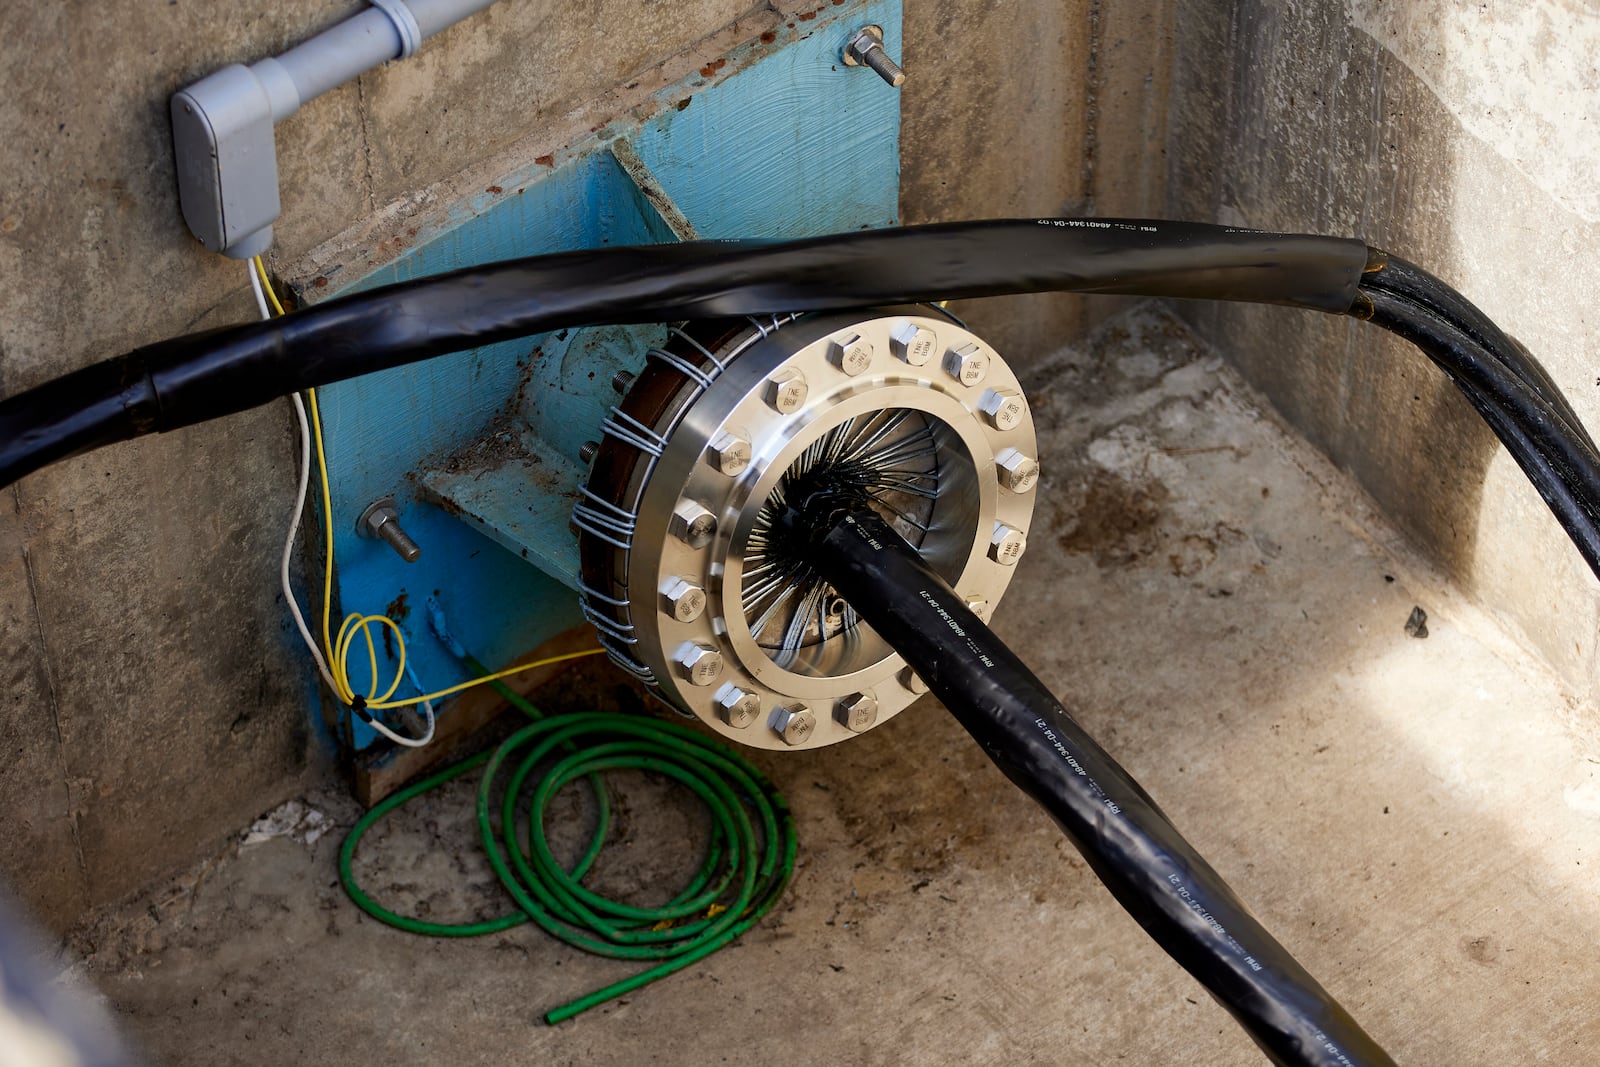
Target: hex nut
{"points": [[729, 453], [967, 364], [1002, 408], [1007, 544], [913, 344], [913, 681], [786, 391], [692, 524], [738, 707], [684, 600], [793, 724], [977, 605], [857, 712], [853, 355], [1016, 471], [698, 664]]}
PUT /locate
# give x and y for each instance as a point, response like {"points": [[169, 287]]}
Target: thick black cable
{"points": [[1561, 467], [190, 379], [1153, 872], [1392, 274]]}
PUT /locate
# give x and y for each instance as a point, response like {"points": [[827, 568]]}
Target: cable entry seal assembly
{"points": [[1151, 870]]}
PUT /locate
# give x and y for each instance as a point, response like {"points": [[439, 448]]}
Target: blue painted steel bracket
{"points": [[481, 448]]}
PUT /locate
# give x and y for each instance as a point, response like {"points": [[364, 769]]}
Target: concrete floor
{"points": [[1417, 819]]}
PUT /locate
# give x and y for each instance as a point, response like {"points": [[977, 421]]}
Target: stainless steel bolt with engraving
{"points": [[382, 521], [738, 707], [698, 664], [692, 524], [683, 600], [865, 48], [1016, 471], [793, 724], [857, 712]]}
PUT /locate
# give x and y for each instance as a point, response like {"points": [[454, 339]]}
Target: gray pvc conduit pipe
{"points": [[222, 125]]}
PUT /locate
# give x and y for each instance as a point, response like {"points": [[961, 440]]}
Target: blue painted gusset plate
{"points": [[781, 141]]}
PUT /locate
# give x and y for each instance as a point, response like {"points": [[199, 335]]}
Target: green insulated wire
{"points": [[748, 863]]}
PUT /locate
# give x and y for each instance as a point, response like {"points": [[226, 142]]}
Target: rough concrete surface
{"points": [[1460, 136], [1415, 818]]}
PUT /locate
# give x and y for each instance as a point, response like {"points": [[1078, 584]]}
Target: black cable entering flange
{"points": [[1130, 843]]}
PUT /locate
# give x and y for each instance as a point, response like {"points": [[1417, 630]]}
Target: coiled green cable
{"points": [[748, 863]]}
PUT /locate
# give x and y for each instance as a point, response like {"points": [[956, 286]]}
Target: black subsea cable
{"points": [[1392, 274], [203, 376], [1560, 466], [1153, 872]]}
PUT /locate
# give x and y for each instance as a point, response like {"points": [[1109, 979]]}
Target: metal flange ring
{"points": [[676, 570]]}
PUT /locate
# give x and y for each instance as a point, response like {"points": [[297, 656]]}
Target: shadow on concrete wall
{"points": [[1294, 120]]}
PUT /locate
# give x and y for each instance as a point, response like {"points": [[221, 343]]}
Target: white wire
{"points": [[288, 552]]}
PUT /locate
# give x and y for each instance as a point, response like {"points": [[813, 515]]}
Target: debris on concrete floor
{"points": [[1419, 821], [1417, 623]]}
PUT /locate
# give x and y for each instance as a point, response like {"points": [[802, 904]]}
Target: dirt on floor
{"points": [[1417, 819]]}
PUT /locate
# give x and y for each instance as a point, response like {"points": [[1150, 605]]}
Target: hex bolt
{"points": [[786, 391], [738, 707], [913, 681], [382, 521], [857, 712], [587, 450], [730, 454], [966, 364], [1016, 471], [977, 605], [793, 724], [682, 599], [692, 524], [1006, 544], [866, 47], [698, 664], [1002, 408], [851, 355], [622, 381], [913, 344]]}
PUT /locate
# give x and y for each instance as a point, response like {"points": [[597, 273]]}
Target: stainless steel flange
{"points": [[677, 572]]}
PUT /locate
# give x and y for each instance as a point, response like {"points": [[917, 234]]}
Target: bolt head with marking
{"points": [[1016, 471], [1002, 408], [967, 364], [913, 344], [857, 712], [683, 600], [786, 391], [738, 707], [794, 724], [851, 354], [692, 524], [698, 664], [1007, 544], [977, 605], [912, 680], [729, 453]]}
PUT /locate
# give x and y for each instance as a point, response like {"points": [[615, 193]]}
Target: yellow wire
{"points": [[266, 285], [337, 651]]}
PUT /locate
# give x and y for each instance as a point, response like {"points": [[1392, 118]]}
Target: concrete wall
{"points": [[154, 701], [1465, 137]]}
